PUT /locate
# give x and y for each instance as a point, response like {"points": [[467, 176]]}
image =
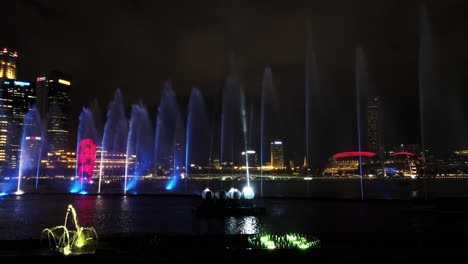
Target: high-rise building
{"points": [[54, 105], [251, 157], [16, 99], [375, 126], [8, 64], [277, 155]]}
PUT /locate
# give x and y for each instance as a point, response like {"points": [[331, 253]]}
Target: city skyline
{"points": [[334, 86]]}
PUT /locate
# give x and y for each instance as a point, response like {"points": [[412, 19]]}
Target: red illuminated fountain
{"points": [[86, 159]]}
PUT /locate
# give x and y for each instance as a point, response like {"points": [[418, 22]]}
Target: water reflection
{"points": [[242, 225], [125, 216]]}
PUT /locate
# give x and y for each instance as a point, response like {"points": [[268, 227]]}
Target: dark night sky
{"points": [[137, 45]]}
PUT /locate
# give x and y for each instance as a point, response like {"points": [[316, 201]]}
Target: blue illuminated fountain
{"points": [[140, 142], [114, 139], [169, 139], [31, 148], [197, 133]]}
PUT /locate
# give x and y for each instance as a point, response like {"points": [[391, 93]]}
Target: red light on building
{"points": [[33, 138], [15, 53], [402, 153], [5, 49], [354, 154], [86, 159]]}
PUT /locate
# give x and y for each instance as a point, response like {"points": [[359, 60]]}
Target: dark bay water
{"points": [[23, 217]]}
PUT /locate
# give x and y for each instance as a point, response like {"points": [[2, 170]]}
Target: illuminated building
{"points": [[54, 103], [113, 163], [251, 156], [347, 164], [277, 154], [8, 64], [375, 126], [60, 160], [16, 98], [403, 164], [64, 163]]}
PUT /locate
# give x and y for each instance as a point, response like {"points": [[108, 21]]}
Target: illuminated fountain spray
{"points": [[268, 99], [230, 122], [361, 98], [169, 138], [247, 190], [197, 133], [139, 145], [427, 95], [115, 131], [31, 145], [85, 151], [71, 240]]}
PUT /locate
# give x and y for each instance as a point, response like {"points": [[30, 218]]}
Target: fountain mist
{"points": [[115, 131]]}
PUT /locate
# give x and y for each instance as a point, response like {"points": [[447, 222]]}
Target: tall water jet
{"points": [[361, 95], [426, 80], [169, 139], [230, 122], [268, 101], [31, 144], [197, 133], [140, 142], [311, 93], [244, 131], [114, 138], [88, 137]]}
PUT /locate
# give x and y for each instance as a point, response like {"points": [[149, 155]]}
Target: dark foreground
{"points": [[335, 248], [435, 231]]}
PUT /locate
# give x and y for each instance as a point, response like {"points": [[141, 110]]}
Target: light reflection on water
{"points": [[125, 215], [246, 225]]}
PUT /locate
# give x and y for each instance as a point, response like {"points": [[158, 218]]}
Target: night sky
{"points": [[137, 45]]}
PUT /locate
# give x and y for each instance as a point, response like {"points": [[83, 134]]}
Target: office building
{"points": [[54, 105], [8, 64], [375, 127], [277, 155], [16, 99]]}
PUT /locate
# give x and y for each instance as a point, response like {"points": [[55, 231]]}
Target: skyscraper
{"points": [[251, 157], [375, 126], [54, 105], [16, 98], [8, 64], [277, 155]]}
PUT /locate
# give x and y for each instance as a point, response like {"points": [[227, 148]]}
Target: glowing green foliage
{"points": [[71, 240], [283, 241]]}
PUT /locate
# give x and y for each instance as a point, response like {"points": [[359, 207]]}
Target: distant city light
{"points": [[64, 82], [20, 83], [38, 79], [278, 143], [33, 138], [353, 154], [403, 153]]}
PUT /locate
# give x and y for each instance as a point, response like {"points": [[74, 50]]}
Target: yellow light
{"points": [[64, 82]]}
